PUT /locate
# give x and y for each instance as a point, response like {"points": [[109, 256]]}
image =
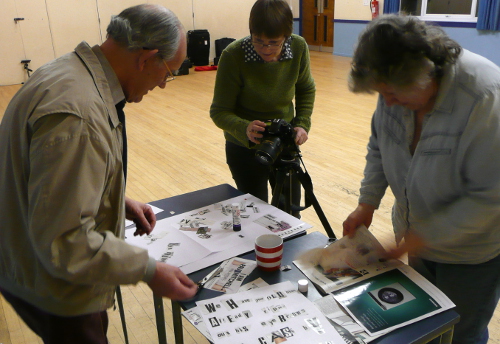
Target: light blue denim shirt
{"points": [[448, 192]]}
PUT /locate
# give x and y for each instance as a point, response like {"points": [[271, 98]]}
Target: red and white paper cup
{"points": [[269, 252]]}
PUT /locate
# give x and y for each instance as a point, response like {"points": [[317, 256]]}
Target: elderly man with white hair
{"points": [[62, 181]]}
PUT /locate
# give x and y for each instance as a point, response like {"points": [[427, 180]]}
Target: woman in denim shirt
{"points": [[436, 142]]}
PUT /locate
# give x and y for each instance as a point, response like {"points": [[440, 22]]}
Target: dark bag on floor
{"points": [[198, 47], [220, 45], [184, 68]]}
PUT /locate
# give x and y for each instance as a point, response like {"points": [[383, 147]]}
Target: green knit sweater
{"points": [[246, 91]]}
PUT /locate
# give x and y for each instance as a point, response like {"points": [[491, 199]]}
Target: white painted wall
{"points": [[295, 5], [26, 39], [72, 21], [222, 19], [54, 27], [354, 9]]}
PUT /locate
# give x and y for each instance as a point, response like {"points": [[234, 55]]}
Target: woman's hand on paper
{"points": [[412, 243], [362, 215]]}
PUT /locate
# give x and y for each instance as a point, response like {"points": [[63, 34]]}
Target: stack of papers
{"points": [[378, 296], [355, 259]]}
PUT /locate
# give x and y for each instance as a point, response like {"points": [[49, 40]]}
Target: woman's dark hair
{"points": [[271, 18], [401, 51]]}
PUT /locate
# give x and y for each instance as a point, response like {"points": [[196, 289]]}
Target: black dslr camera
{"points": [[279, 137]]}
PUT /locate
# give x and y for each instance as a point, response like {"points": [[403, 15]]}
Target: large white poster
{"points": [[202, 237], [274, 314]]}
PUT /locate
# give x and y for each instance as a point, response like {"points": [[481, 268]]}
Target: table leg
{"points": [[122, 312], [177, 320], [160, 319], [447, 337]]}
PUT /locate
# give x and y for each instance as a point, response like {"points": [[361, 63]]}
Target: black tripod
{"points": [[285, 168], [26, 66]]}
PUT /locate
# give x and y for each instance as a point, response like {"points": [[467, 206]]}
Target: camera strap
{"points": [[306, 183]]}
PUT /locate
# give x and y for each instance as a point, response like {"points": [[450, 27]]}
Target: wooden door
{"points": [[317, 24]]}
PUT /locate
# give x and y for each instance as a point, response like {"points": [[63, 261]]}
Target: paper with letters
{"points": [[168, 246], [195, 318], [274, 314]]}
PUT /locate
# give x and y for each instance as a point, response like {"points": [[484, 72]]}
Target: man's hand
{"points": [[142, 215], [362, 215], [169, 281]]}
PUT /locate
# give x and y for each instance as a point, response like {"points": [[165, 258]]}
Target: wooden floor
{"points": [[175, 148]]}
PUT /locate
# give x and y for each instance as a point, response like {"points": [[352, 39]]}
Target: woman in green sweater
{"points": [[258, 78]]}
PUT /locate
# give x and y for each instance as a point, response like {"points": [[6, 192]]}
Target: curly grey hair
{"points": [[401, 51], [147, 26]]}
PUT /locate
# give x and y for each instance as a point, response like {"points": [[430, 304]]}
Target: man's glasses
{"points": [[270, 46], [170, 76]]}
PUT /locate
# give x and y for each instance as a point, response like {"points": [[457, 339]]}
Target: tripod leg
{"points": [[295, 194], [306, 182], [287, 192], [278, 189]]}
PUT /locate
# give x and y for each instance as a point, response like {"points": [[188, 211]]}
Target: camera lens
{"points": [[269, 149], [390, 295]]}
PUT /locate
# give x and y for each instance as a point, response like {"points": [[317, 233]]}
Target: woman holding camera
{"points": [[257, 79]]}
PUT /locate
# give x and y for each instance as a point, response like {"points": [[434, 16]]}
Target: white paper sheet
{"points": [[168, 245], [216, 257], [218, 218], [267, 315], [256, 283], [192, 250], [195, 318]]}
